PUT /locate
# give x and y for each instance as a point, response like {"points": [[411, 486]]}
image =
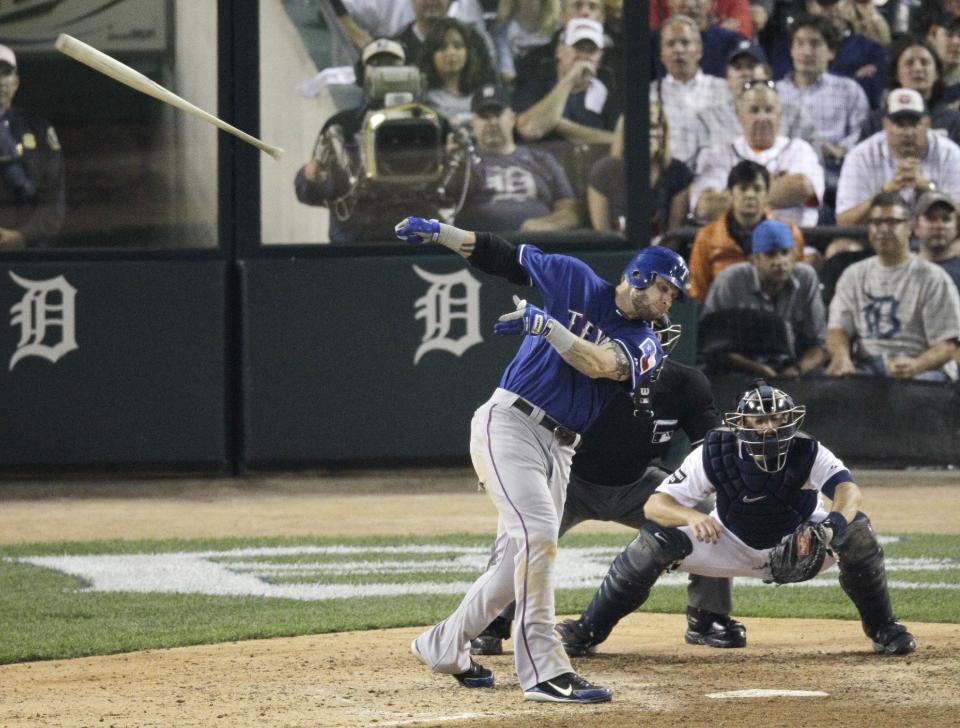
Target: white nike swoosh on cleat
{"points": [[565, 693], [753, 500]]}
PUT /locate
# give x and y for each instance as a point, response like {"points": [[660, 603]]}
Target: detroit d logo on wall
{"points": [[46, 317], [450, 306]]}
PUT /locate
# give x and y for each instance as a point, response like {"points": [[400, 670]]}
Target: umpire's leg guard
{"points": [[627, 585], [863, 576]]}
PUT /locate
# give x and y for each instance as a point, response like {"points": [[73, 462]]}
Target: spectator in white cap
{"points": [[906, 157], [32, 197], [774, 282], [935, 228], [574, 104]]}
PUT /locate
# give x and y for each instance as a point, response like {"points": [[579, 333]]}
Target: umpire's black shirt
{"points": [[618, 447]]}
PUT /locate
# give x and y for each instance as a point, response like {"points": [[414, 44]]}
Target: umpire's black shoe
{"points": [[486, 644], [476, 677], [568, 688], [893, 639], [576, 638], [715, 630]]}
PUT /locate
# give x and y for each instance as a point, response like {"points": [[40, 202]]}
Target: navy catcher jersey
{"points": [[583, 302]]}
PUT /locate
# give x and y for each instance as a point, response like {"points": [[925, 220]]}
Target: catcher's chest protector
{"points": [[759, 507]]}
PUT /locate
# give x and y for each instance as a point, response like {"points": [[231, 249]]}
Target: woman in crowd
{"points": [[521, 26], [914, 64], [451, 70], [669, 179]]}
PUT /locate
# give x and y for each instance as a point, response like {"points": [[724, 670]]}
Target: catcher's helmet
{"points": [[768, 447], [657, 261]]}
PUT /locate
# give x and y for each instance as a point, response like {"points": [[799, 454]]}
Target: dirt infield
{"points": [[370, 679]]}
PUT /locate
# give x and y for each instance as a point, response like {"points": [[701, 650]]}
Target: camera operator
{"points": [[388, 153]]}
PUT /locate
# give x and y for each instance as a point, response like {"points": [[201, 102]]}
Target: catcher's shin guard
{"points": [[863, 576], [627, 584]]}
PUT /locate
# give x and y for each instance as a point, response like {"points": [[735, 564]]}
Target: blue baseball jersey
{"points": [[583, 302]]}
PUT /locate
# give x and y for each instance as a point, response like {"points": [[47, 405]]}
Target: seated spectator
{"points": [[797, 177], [365, 20], [718, 124], [734, 15], [935, 228], [451, 69], [773, 281], [520, 27], [838, 105], [894, 314], [718, 42], [571, 104], [329, 177], [685, 90], [428, 12], [728, 240], [515, 187], [906, 157], [915, 65], [858, 57], [669, 179], [943, 35]]}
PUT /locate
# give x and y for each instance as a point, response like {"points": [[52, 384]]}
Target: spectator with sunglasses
{"points": [[718, 124], [797, 180]]}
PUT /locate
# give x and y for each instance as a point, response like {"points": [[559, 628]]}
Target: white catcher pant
{"points": [[730, 556], [525, 472]]}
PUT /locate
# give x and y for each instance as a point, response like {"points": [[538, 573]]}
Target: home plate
{"points": [[761, 693]]}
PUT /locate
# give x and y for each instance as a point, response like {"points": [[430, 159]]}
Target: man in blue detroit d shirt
{"points": [[588, 340]]}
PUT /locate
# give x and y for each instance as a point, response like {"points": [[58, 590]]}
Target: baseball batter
{"points": [[588, 341], [618, 467], [769, 522]]}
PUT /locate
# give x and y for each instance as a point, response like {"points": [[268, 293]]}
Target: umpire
{"points": [[618, 466], [32, 197]]}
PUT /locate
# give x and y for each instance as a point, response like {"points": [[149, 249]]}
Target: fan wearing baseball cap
{"points": [[773, 282], [517, 187], [906, 157], [935, 226], [571, 102], [32, 197]]}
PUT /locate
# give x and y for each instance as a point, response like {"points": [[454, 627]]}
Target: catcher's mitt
{"points": [[799, 556]]}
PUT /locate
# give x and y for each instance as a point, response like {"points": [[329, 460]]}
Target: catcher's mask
{"points": [[767, 443], [655, 261], [668, 333]]}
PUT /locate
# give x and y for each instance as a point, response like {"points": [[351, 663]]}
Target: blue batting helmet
{"points": [[658, 261]]}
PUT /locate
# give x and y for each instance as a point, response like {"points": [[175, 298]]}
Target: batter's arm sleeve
{"points": [[496, 256]]}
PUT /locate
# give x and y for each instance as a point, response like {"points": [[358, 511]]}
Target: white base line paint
{"points": [[763, 693], [428, 720]]}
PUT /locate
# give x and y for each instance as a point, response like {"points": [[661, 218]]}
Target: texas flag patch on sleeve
{"points": [[648, 356]]}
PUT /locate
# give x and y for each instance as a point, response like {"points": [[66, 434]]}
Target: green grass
{"points": [[44, 614]]}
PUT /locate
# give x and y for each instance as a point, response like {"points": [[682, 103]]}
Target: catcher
{"points": [[769, 522]]}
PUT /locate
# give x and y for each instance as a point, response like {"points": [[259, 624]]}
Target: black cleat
{"points": [[486, 644], [576, 638], [894, 640], [568, 688], [715, 630], [476, 677]]}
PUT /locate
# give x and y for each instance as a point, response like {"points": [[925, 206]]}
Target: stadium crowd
{"points": [[837, 120]]}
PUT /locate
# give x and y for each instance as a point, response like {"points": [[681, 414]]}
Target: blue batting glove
{"points": [[417, 230], [526, 319]]}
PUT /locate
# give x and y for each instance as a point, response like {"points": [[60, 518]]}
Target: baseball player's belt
{"points": [[564, 435]]}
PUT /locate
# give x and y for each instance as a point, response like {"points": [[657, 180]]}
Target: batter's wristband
{"points": [[453, 237], [559, 336]]}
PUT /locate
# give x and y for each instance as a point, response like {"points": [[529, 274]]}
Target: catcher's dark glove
{"points": [[799, 556]]}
